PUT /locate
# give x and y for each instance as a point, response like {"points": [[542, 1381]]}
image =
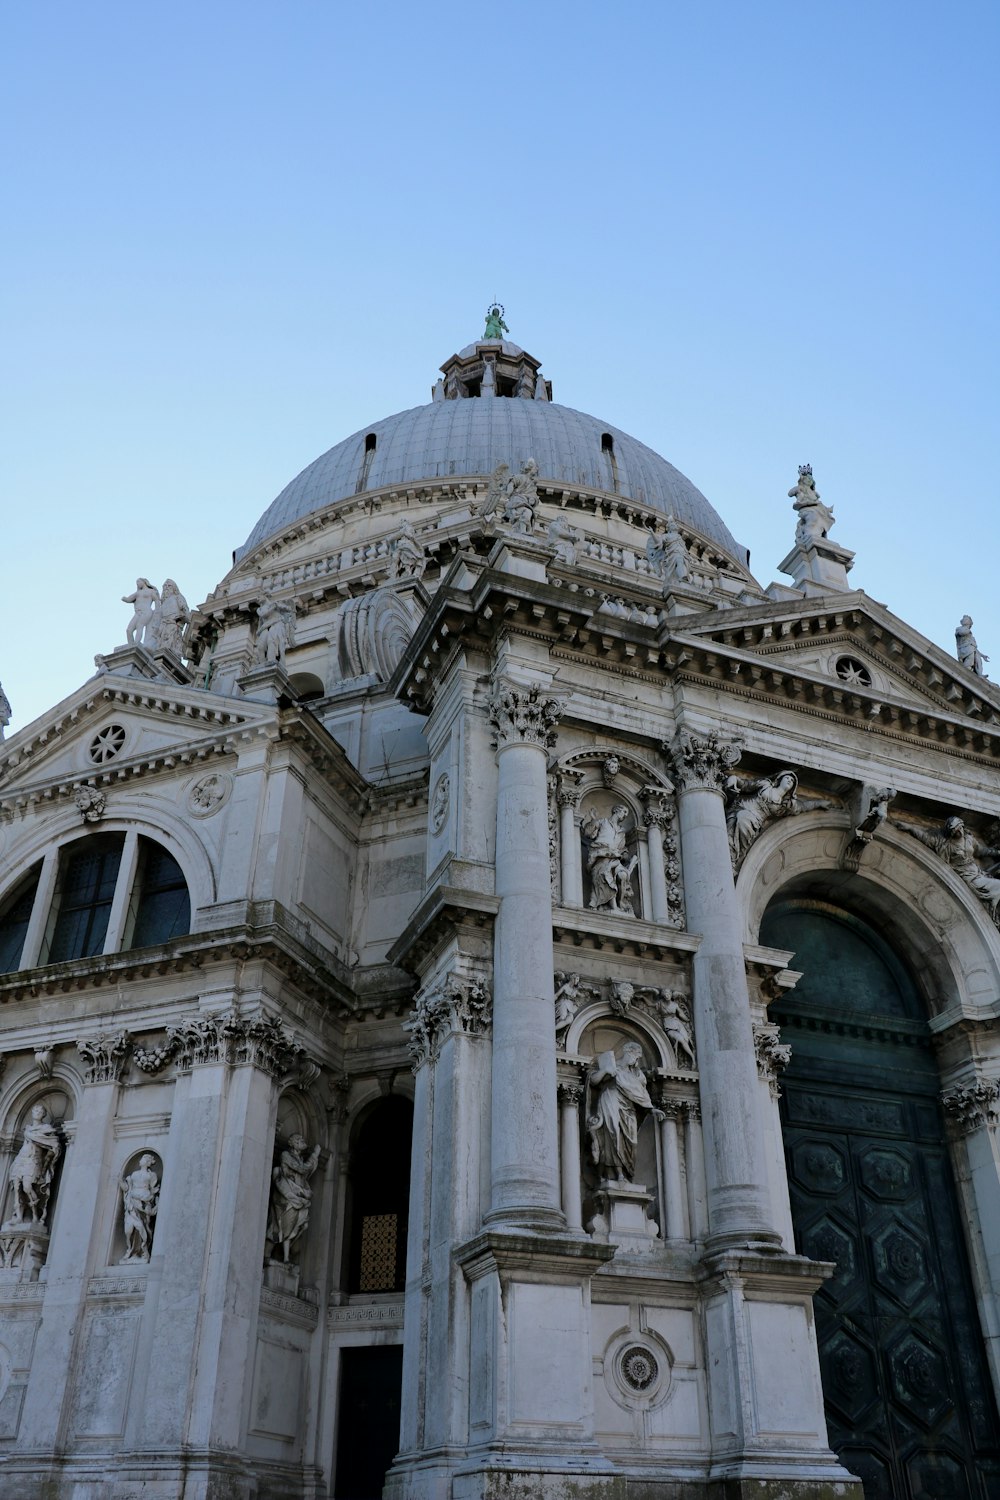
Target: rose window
{"points": [[853, 672], [106, 744], [639, 1368]]}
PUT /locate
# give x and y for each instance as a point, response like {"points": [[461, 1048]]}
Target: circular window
{"points": [[853, 672], [106, 744], [638, 1367]]}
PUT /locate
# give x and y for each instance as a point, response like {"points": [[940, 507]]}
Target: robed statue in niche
{"points": [[617, 1103]]}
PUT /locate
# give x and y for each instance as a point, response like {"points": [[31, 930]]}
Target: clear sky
{"points": [[752, 235]]}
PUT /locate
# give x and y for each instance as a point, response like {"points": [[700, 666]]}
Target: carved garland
{"points": [[261, 1042]]}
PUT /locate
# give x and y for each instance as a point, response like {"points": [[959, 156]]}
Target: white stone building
{"points": [[496, 986]]}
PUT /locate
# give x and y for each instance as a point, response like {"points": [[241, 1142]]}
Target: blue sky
{"points": [[752, 235]]}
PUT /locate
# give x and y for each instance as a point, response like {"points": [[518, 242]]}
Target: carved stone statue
{"points": [[170, 619], [617, 1099], [521, 504], [4, 711], [275, 630], [676, 1023], [877, 799], [406, 556], [140, 629], [969, 653], [962, 850], [140, 1200], [570, 995], [564, 538], [666, 553], [610, 875], [815, 518], [33, 1168], [495, 325], [291, 1195], [752, 804]]}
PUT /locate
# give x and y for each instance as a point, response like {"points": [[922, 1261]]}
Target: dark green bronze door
{"points": [[909, 1403]]}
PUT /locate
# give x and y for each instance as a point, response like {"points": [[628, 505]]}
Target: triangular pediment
{"points": [[115, 726], [851, 645]]}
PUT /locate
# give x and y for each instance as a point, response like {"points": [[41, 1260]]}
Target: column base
{"points": [[551, 1219], [519, 1477]]}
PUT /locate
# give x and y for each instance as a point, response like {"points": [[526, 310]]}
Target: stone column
{"points": [[568, 789], [736, 1159], [655, 816], [524, 1147], [694, 1152], [569, 1129], [675, 1214]]}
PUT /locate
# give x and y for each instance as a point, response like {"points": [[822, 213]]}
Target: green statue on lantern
{"points": [[495, 325]]}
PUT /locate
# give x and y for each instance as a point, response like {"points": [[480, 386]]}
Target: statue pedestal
{"points": [[622, 1215], [267, 683], [818, 567], [23, 1250], [526, 555], [279, 1277]]}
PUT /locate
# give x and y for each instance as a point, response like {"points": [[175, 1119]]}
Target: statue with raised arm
{"points": [[291, 1195], [610, 873], [140, 630], [5, 711], [666, 553], [495, 325], [815, 518], [752, 804], [33, 1169], [140, 1200], [963, 851], [521, 504], [968, 651], [617, 1102]]}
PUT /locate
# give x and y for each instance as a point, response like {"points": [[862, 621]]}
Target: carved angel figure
{"points": [[610, 875], [815, 518], [616, 1094], [140, 1200], [570, 994], [33, 1168], [291, 1195], [968, 651], [676, 1023], [140, 629], [962, 850], [878, 799], [751, 804]]}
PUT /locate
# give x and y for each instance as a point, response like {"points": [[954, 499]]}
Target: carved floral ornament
{"points": [[773, 1055], [457, 1003], [704, 761], [973, 1107], [524, 715], [260, 1042]]}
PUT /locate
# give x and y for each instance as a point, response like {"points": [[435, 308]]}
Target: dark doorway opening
{"points": [[368, 1421], [909, 1404]]}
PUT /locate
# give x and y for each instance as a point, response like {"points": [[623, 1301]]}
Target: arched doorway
{"points": [[909, 1403]]}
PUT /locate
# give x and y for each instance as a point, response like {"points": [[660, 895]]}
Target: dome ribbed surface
{"points": [[454, 439]]}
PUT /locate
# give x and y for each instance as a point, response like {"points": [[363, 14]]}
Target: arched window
{"points": [[103, 893], [379, 1178], [15, 919]]}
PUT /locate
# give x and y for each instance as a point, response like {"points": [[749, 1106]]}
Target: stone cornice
{"points": [[442, 910], [591, 930], [265, 939]]}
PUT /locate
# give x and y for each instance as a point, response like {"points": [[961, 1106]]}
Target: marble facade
{"points": [[480, 788]]}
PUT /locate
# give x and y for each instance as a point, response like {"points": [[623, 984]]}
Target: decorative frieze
{"points": [[773, 1055], [524, 715], [106, 1057], [458, 1003], [259, 1042], [973, 1107], [704, 761]]}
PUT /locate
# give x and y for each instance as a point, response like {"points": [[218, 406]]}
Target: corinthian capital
{"points": [[704, 760], [524, 715]]}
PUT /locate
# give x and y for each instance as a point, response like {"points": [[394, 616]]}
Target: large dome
{"points": [[446, 439]]}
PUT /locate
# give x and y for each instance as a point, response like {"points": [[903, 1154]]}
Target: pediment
{"points": [[855, 647], [112, 728]]}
